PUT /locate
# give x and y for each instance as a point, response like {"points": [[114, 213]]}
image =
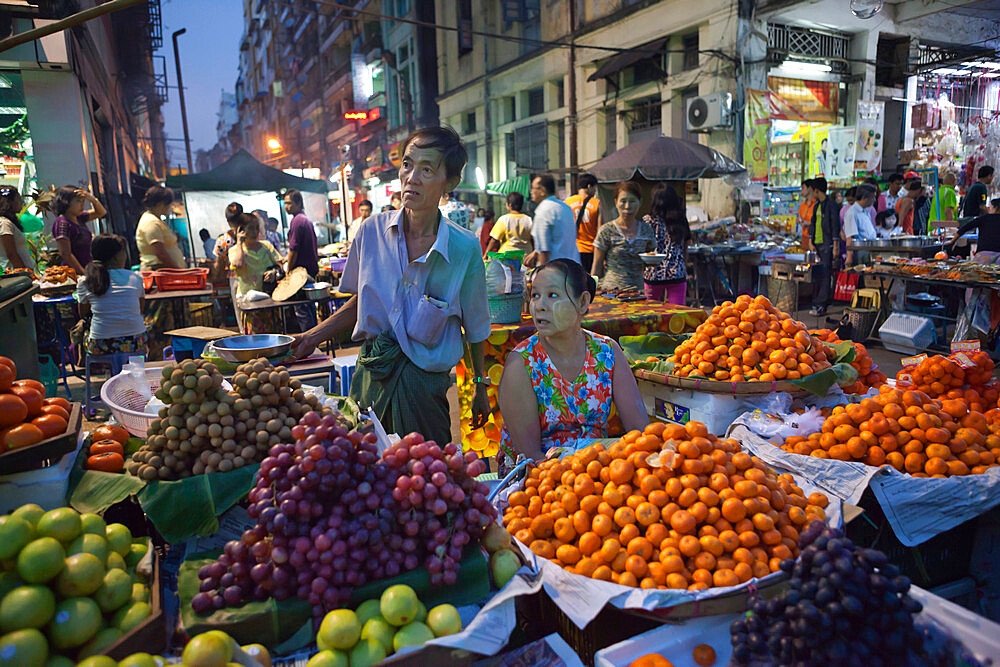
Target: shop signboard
{"points": [[840, 147], [803, 100], [870, 139], [819, 149], [757, 122]]}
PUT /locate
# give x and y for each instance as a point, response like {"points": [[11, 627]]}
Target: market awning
{"points": [[624, 59], [665, 159], [243, 172], [520, 184]]}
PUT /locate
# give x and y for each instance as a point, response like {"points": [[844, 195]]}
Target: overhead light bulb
{"points": [[801, 67], [865, 9], [480, 178]]}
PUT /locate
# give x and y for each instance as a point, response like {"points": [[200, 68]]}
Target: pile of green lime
{"points": [[68, 585]]}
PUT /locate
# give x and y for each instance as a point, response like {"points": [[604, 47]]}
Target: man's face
{"points": [[537, 192], [987, 180], [291, 206], [806, 192], [423, 177], [365, 211], [894, 186]]}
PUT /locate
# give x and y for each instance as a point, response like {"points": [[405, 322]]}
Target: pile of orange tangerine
{"points": [[945, 377], [671, 507], [750, 340], [908, 430], [868, 373]]}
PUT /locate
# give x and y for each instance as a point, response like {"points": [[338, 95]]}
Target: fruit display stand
{"points": [[45, 486], [150, 635]]}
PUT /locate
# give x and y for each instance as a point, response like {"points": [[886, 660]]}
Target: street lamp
{"points": [[274, 144]]}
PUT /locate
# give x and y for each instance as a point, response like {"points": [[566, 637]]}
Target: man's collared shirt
{"points": [[554, 229], [392, 291]]}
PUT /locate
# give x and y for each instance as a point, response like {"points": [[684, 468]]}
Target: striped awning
{"points": [[520, 184]]}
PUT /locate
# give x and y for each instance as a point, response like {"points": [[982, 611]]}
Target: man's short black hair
{"points": [[985, 171], [896, 178], [585, 181], [296, 197], [443, 138], [819, 184], [547, 182], [808, 183], [365, 202]]}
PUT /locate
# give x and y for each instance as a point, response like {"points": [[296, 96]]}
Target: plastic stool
{"points": [[345, 372], [116, 361], [168, 353]]}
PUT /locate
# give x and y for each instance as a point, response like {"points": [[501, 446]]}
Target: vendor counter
{"points": [[607, 316]]}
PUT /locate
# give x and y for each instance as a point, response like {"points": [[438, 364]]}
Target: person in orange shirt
{"points": [[807, 208], [587, 213]]}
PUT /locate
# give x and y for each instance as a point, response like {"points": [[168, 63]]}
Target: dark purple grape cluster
{"points": [[844, 605], [332, 515], [447, 506]]}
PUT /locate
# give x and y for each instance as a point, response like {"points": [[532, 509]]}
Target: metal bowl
{"points": [[247, 348], [651, 258]]}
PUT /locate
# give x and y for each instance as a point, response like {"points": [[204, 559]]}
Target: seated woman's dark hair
{"points": [[577, 280], [246, 220], [157, 195], [103, 250], [10, 205]]}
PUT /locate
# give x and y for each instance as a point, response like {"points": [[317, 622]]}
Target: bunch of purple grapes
{"points": [[332, 516], [443, 506]]}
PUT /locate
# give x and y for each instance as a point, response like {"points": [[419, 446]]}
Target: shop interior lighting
{"points": [[13, 111], [804, 67], [480, 178], [994, 66]]}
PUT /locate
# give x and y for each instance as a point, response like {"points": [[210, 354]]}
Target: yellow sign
{"points": [[755, 130]]}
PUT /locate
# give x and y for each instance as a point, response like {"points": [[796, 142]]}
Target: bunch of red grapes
{"points": [[333, 515]]}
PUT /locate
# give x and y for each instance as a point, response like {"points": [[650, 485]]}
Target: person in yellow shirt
{"points": [[157, 243], [250, 259], [513, 230], [587, 213]]}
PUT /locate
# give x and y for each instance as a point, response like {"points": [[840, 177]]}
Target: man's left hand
{"points": [[480, 407]]}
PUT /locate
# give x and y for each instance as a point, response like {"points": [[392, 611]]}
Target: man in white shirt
{"points": [[418, 281], [365, 209], [858, 222], [553, 225]]}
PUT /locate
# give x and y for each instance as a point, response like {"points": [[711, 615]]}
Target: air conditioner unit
{"points": [[709, 112]]}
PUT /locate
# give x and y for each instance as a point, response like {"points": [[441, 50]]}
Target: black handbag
{"points": [[272, 277]]}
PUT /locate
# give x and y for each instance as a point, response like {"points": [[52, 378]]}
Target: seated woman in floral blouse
{"points": [[559, 384]]}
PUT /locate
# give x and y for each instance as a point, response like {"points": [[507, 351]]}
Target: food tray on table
{"points": [[170, 280], [150, 636], [719, 386], [57, 289], [46, 452]]}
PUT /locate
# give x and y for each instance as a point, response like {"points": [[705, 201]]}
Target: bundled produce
{"points": [[203, 428], [69, 585], [379, 628], [672, 507], [961, 375], [909, 431], [331, 516], [751, 340], [869, 376], [844, 605], [26, 416]]}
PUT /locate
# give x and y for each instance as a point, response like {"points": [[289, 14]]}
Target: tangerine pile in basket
{"points": [[909, 431], [869, 375], [750, 340], [946, 377], [672, 507]]}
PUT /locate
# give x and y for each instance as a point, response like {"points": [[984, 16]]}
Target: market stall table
{"points": [[61, 340], [179, 300], [722, 262], [270, 304], [606, 316]]}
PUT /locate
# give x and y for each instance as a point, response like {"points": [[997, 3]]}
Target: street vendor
{"points": [[418, 280], [559, 384]]}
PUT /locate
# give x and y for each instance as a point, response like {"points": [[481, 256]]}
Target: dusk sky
{"points": [[209, 60]]}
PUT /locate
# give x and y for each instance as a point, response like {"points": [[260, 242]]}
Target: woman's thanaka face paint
{"points": [[552, 309]]}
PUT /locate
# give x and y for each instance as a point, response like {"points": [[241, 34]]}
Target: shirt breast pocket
{"points": [[426, 324]]}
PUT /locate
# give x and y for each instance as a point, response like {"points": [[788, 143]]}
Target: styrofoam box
{"points": [[906, 333], [674, 642], [672, 404]]}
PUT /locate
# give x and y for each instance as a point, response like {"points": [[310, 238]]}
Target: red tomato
{"points": [[55, 410], [9, 363], [6, 377], [31, 398], [22, 436], [112, 432], [57, 400], [51, 425], [104, 446], [107, 462], [12, 410], [27, 382]]}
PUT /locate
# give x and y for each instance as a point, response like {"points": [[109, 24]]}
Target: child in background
{"points": [[113, 296], [513, 230], [250, 258]]}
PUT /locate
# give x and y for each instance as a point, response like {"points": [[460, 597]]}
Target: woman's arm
{"points": [[519, 408], [66, 253], [161, 253], [598, 268], [626, 394], [10, 249], [99, 210], [237, 256]]}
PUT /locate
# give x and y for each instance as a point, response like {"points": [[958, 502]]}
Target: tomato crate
{"points": [[171, 280], [148, 279]]}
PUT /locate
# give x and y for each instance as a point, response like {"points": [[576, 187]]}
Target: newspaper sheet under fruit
{"points": [[916, 508]]}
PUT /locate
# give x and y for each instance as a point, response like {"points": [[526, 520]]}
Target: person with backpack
{"points": [[587, 213]]}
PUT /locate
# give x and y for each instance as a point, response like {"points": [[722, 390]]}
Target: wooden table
{"points": [[316, 364], [179, 300], [606, 316]]}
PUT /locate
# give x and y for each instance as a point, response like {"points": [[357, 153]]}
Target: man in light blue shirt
{"points": [[553, 226]]}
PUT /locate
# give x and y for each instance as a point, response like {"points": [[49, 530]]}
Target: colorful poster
{"points": [[840, 147], [819, 152], [755, 130], [870, 140], [802, 100]]}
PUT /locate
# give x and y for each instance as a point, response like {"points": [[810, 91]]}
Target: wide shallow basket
{"points": [[505, 308], [719, 386], [126, 404]]}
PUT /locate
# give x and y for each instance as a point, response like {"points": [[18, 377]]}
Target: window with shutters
{"points": [[536, 101], [531, 147], [689, 45]]}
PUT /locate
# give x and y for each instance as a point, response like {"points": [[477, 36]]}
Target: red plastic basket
{"points": [[168, 280], [148, 279]]}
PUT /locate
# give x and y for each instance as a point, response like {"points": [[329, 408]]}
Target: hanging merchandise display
{"points": [[870, 140], [981, 146], [937, 140]]}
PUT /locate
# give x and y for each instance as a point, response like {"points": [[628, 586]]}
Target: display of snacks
{"points": [[671, 507], [58, 275], [907, 430], [751, 340]]}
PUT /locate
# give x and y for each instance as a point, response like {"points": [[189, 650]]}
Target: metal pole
{"points": [[571, 101], [180, 95], [68, 22]]}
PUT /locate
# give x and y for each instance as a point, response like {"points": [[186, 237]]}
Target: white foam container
{"points": [[674, 642], [906, 333]]}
